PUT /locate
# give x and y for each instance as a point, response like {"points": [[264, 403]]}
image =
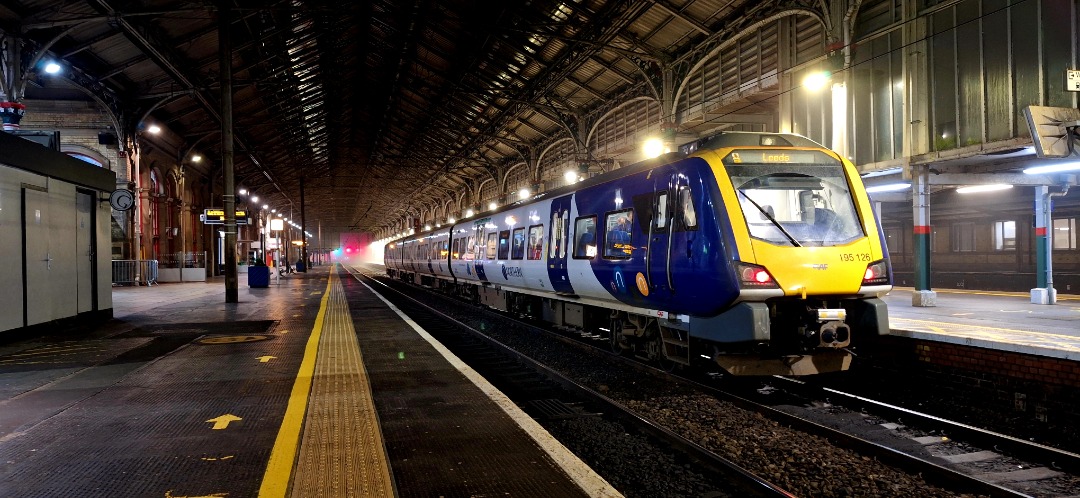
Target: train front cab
{"points": [[810, 262]]}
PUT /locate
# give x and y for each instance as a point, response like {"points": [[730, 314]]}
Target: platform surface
{"points": [[1007, 321], [314, 386]]}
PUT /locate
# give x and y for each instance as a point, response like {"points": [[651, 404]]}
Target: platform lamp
{"points": [[277, 225]]}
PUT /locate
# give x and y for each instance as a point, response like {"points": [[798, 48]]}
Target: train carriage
{"points": [[756, 252]]}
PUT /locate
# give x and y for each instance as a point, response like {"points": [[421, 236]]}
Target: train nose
{"points": [[835, 335]]}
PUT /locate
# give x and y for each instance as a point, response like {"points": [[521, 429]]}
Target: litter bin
{"points": [[259, 276], [300, 265]]}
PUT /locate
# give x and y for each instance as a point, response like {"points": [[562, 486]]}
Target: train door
{"points": [[558, 240], [485, 247], [658, 282]]}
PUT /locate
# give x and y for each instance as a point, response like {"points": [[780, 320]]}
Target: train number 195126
{"points": [[862, 256]]}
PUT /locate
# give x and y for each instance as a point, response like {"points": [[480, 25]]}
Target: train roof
{"points": [[718, 141]]}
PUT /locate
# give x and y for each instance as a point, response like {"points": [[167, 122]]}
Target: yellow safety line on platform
{"points": [[1060, 297], [976, 328], [279, 470]]}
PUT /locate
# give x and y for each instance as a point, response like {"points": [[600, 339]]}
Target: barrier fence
{"points": [[134, 272]]}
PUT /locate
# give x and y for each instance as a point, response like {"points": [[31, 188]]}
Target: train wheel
{"points": [[662, 360], [619, 344]]}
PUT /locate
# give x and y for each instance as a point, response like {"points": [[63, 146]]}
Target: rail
{"points": [[134, 272]]}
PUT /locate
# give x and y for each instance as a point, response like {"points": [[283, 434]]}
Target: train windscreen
{"points": [[796, 198]]}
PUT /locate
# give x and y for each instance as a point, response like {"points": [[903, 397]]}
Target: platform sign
{"points": [[1072, 80], [216, 216]]}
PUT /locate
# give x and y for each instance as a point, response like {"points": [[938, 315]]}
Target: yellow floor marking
{"points": [[1060, 297], [973, 328], [279, 470]]}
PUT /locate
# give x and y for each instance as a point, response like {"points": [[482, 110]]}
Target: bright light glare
{"points": [[469, 213], [492, 206], [983, 188], [52, 68], [155, 129], [652, 147], [888, 187], [254, 198], [524, 193], [196, 158], [1053, 168], [571, 176], [816, 81]]}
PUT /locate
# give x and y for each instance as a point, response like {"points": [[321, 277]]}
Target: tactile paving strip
{"points": [[341, 453]]}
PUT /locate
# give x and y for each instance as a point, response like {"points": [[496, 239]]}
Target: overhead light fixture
{"points": [[155, 129], [52, 68], [888, 187], [653, 147], [816, 80], [1053, 168], [973, 189]]}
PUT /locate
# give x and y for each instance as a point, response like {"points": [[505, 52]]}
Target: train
{"points": [[755, 253]]}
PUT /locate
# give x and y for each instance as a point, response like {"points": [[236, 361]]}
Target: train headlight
{"points": [[877, 273], [754, 276]]}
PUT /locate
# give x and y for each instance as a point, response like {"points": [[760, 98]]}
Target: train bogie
{"points": [[758, 252]]}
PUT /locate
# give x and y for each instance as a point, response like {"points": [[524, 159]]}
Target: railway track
{"points": [[672, 465], [941, 460]]}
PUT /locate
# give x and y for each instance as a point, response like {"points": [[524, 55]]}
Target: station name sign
{"points": [[216, 216]]}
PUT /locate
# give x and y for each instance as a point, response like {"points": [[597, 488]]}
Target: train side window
{"points": [[492, 245], [557, 248], [618, 234], [686, 208], [585, 235], [471, 248], [517, 248], [504, 244], [661, 210], [536, 241]]}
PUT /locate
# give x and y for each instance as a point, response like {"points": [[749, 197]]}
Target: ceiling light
{"points": [[1053, 168], [52, 68], [888, 187], [993, 187], [155, 129], [816, 80]]}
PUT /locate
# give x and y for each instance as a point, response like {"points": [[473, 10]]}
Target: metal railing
{"points": [[134, 272]]}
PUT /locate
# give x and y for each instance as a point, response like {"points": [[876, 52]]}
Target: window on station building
{"points": [[1064, 234], [963, 237], [1004, 235]]}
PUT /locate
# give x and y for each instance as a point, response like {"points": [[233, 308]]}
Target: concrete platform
{"points": [[311, 387], [995, 320]]}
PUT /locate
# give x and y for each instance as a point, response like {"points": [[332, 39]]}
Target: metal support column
{"points": [[225, 68], [920, 186], [1044, 292]]}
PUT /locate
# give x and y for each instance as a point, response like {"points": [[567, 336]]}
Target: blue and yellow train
{"points": [[756, 252]]}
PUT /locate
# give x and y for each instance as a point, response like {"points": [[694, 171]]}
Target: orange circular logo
{"points": [[642, 285]]}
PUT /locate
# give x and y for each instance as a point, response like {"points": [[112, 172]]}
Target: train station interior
{"points": [[176, 172]]}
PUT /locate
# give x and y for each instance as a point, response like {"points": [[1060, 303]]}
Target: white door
{"points": [[38, 258], [84, 244]]}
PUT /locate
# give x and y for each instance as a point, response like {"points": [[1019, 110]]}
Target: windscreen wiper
{"points": [[771, 219]]}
